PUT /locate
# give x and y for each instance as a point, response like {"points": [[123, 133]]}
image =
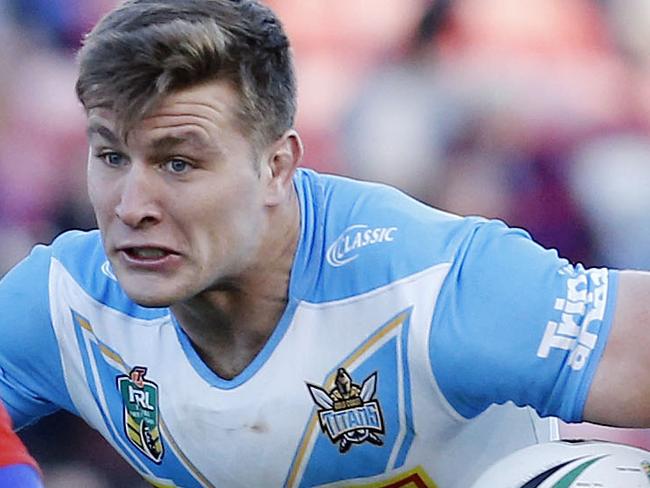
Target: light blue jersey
{"points": [[417, 347]]}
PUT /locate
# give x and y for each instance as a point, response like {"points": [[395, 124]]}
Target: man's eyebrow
{"points": [[191, 138], [102, 131], [161, 144]]}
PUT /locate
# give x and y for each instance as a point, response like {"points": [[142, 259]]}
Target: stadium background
{"points": [[536, 112]]}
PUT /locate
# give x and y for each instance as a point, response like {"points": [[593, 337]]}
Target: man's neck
{"points": [[229, 324]]}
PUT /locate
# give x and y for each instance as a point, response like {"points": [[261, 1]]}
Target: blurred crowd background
{"points": [[536, 112]]}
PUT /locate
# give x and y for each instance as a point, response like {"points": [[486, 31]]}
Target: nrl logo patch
{"points": [[141, 415], [349, 414]]}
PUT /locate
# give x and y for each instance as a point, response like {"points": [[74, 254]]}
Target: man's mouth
{"points": [[146, 252]]}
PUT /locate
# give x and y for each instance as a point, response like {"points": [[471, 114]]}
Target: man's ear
{"points": [[279, 165]]}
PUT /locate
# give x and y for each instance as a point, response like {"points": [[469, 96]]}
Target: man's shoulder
{"points": [[344, 200], [78, 242], [368, 235], [81, 254], [79, 267], [74, 250]]}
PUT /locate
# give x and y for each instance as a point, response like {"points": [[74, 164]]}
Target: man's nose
{"points": [[139, 205]]}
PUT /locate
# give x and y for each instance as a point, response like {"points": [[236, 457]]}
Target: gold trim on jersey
{"points": [[329, 383], [414, 478], [117, 359]]}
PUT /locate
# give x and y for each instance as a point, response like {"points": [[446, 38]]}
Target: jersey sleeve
{"points": [[514, 322], [31, 376]]}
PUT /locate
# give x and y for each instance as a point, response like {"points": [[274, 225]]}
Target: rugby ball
{"points": [[570, 464]]}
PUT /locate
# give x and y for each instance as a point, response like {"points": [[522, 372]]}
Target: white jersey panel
{"points": [[270, 430]]}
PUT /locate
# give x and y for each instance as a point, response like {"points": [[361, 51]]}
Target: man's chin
{"points": [[150, 293], [150, 300]]}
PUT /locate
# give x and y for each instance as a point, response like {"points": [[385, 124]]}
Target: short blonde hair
{"points": [[146, 49]]}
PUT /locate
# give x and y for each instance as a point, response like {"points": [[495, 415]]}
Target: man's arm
{"points": [[17, 467], [620, 392]]}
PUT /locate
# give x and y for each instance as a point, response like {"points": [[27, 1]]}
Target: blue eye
{"points": [[177, 166], [113, 159]]}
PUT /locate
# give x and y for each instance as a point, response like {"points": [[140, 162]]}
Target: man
{"points": [[17, 468], [237, 321]]}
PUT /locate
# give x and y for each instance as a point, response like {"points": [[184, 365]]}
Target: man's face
{"points": [[180, 203]]}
